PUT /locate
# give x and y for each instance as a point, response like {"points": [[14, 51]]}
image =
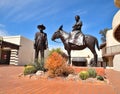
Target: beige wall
{"points": [[110, 40], [84, 53], [116, 62], [25, 55], [26, 51], [116, 19]]}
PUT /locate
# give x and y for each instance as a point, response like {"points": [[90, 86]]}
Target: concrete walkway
{"points": [[10, 83]]}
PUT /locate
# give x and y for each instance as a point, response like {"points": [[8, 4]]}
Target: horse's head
{"points": [[57, 34]]}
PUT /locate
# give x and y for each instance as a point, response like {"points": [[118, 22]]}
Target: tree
{"points": [[103, 34]]}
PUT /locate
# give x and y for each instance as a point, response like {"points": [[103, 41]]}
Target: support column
{"points": [[110, 61]]}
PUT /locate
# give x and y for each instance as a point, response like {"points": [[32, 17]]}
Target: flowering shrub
{"points": [[55, 64], [100, 71], [54, 61]]}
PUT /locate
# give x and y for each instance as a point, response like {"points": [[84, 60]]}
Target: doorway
{"points": [[5, 57]]}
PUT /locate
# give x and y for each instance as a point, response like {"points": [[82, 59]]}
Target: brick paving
{"points": [[10, 83], [114, 77]]}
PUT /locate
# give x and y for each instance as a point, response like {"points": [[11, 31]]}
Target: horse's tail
{"points": [[97, 44]]}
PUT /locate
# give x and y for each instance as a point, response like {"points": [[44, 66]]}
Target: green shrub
{"points": [[84, 75], [99, 77], [92, 72], [59, 51], [39, 66], [29, 69]]}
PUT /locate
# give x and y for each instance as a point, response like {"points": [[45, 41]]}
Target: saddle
{"points": [[76, 38]]}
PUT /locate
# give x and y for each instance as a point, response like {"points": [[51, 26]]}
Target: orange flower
{"points": [[100, 71]]}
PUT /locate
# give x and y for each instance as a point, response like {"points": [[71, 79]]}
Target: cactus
{"points": [[92, 72], [83, 75], [29, 69], [99, 77]]}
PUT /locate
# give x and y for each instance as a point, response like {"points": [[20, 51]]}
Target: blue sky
{"points": [[21, 17]]}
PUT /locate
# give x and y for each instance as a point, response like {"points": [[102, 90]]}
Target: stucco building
{"points": [[16, 50], [111, 49], [84, 57]]}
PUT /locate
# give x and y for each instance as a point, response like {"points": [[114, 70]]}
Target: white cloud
{"points": [[3, 32], [23, 10], [17, 8]]}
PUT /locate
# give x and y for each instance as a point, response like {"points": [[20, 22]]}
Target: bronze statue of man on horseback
{"points": [[76, 40], [76, 36]]}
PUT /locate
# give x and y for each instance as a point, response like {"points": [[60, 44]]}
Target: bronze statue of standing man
{"points": [[41, 43]]}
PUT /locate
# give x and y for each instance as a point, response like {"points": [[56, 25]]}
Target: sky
{"points": [[21, 17]]}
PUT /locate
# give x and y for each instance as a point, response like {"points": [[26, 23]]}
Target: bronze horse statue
{"points": [[90, 42]]}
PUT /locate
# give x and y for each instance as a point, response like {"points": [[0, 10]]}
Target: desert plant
{"points": [[64, 71], [99, 77], [68, 70], [29, 69], [38, 65], [100, 71], [92, 72], [64, 55], [59, 51], [84, 75], [54, 61]]}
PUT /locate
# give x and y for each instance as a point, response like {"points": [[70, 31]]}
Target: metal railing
{"points": [[111, 50]]}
